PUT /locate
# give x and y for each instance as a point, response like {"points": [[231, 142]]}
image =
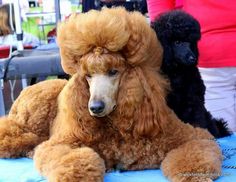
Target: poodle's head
{"points": [[112, 52], [179, 33], [102, 70]]}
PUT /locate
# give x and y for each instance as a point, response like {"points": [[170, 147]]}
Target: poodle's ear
{"points": [[144, 102], [152, 113], [130, 96], [73, 107], [74, 96]]}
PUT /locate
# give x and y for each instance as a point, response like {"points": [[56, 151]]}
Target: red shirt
{"points": [[217, 47]]}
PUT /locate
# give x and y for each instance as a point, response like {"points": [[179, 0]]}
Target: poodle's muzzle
{"points": [[183, 53], [103, 90]]}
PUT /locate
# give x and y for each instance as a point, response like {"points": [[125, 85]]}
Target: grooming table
{"points": [[27, 64], [22, 170], [34, 63]]}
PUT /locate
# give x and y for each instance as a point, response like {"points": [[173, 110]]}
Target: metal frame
{"points": [[57, 10], [28, 64]]}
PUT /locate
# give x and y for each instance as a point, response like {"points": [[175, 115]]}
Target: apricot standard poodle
{"points": [[112, 113]]}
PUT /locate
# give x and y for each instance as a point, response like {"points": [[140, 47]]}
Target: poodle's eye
{"points": [[112, 72]]}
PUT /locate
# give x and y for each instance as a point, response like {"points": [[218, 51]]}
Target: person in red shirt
{"points": [[217, 48]]}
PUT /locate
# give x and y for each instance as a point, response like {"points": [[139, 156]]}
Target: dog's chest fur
{"points": [[132, 153], [129, 153]]}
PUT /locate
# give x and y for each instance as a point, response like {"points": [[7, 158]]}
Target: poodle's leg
{"points": [[29, 119], [62, 163], [14, 140], [195, 161]]}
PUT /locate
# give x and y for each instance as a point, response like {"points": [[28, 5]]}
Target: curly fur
{"points": [[142, 132], [29, 119], [179, 33]]}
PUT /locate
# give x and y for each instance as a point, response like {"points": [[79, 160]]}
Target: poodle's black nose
{"points": [[192, 59], [97, 107]]}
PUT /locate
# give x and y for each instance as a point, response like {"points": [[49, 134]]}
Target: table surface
{"points": [[22, 170], [33, 63]]}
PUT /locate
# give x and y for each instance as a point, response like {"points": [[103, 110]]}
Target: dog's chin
{"points": [[103, 114], [99, 115]]}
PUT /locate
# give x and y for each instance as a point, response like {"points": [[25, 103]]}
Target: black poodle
{"points": [[179, 33]]}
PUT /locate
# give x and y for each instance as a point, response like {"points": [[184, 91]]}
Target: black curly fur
{"points": [[179, 33]]}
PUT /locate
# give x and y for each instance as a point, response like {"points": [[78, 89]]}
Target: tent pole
{"points": [[18, 30], [19, 34], [57, 10]]}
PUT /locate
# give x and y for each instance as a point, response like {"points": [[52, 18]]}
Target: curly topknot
{"points": [[114, 29], [177, 25]]}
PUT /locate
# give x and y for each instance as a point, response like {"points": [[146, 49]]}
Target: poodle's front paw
{"points": [[82, 164], [14, 141], [12, 146]]}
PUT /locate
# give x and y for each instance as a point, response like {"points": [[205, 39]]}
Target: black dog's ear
{"points": [[164, 33], [160, 27]]}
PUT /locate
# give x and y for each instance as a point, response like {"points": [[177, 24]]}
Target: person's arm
{"points": [[155, 7]]}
